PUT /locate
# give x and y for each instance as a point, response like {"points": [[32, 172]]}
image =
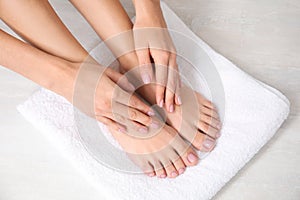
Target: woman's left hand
{"points": [[152, 40]]}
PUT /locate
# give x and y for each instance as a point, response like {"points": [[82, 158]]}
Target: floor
{"points": [[262, 37]]}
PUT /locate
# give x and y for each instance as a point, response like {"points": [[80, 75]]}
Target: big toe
{"points": [[190, 157], [203, 142]]}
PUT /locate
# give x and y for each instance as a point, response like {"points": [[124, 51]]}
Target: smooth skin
{"points": [[66, 63]]}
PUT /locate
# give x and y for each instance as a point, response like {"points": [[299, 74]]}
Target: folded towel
{"points": [[254, 112]]}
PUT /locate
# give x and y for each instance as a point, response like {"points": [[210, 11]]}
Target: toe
{"points": [[207, 129], [210, 112], [160, 171], [148, 170], [179, 165], [190, 157], [203, 142], [170, 170], [210, 121]]}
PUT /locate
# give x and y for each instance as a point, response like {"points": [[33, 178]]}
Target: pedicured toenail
{"points": [[208, 143], [151, 174], [192, 158], [163, 176], [173, 174], [181, 170]]}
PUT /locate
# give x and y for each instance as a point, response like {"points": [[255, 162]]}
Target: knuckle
{"points": [[132, 114], [165, 55], [147, 120], [134, 102]]}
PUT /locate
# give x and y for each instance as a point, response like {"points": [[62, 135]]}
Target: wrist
{"points": [[147, 8], [62, 77]]}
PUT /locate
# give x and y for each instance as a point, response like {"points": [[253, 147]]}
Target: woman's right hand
{"points": [[107, 95]]}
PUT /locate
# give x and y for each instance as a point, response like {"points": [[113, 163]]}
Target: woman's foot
{"points": [[162, 154], [196, 121]]}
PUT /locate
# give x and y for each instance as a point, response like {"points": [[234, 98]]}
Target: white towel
{"points": [[254, 112]]}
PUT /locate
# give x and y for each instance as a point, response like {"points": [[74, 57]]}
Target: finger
{"points": [[171, 87], [126, 122], [133, 114], [133, 101], [120, 80], [145, 65], [111, 124], [161, 59], [176, 76], [161, 75]]}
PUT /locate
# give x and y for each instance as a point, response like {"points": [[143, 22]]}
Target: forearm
{"points": [[148, 8], [38, 66]]}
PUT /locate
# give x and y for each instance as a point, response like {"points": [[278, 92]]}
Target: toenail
{"points": [[151, 174], [174, 174], [192, 158], [208, 143], [143, 130], [163, 176], [181, 170]]}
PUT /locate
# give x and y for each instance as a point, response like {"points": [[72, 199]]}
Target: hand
{"points": [[152, 39], [106, 95]]}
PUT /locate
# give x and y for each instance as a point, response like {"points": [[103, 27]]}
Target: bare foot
{"points": [[162, 154], [196, 119]]}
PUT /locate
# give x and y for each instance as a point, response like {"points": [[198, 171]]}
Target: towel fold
{"points": [[253, 113]]}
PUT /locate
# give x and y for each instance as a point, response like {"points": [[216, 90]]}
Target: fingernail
{"points": [[219, 126], [151, 113], [146, 78], [174, 174], [122, 130], [181, 170], [154, 124], [143, 130], [163, 176], [192, 158], [161, 103], [131, 87], [171, 108], [218, 135], [208, 143], [179, 100]]}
